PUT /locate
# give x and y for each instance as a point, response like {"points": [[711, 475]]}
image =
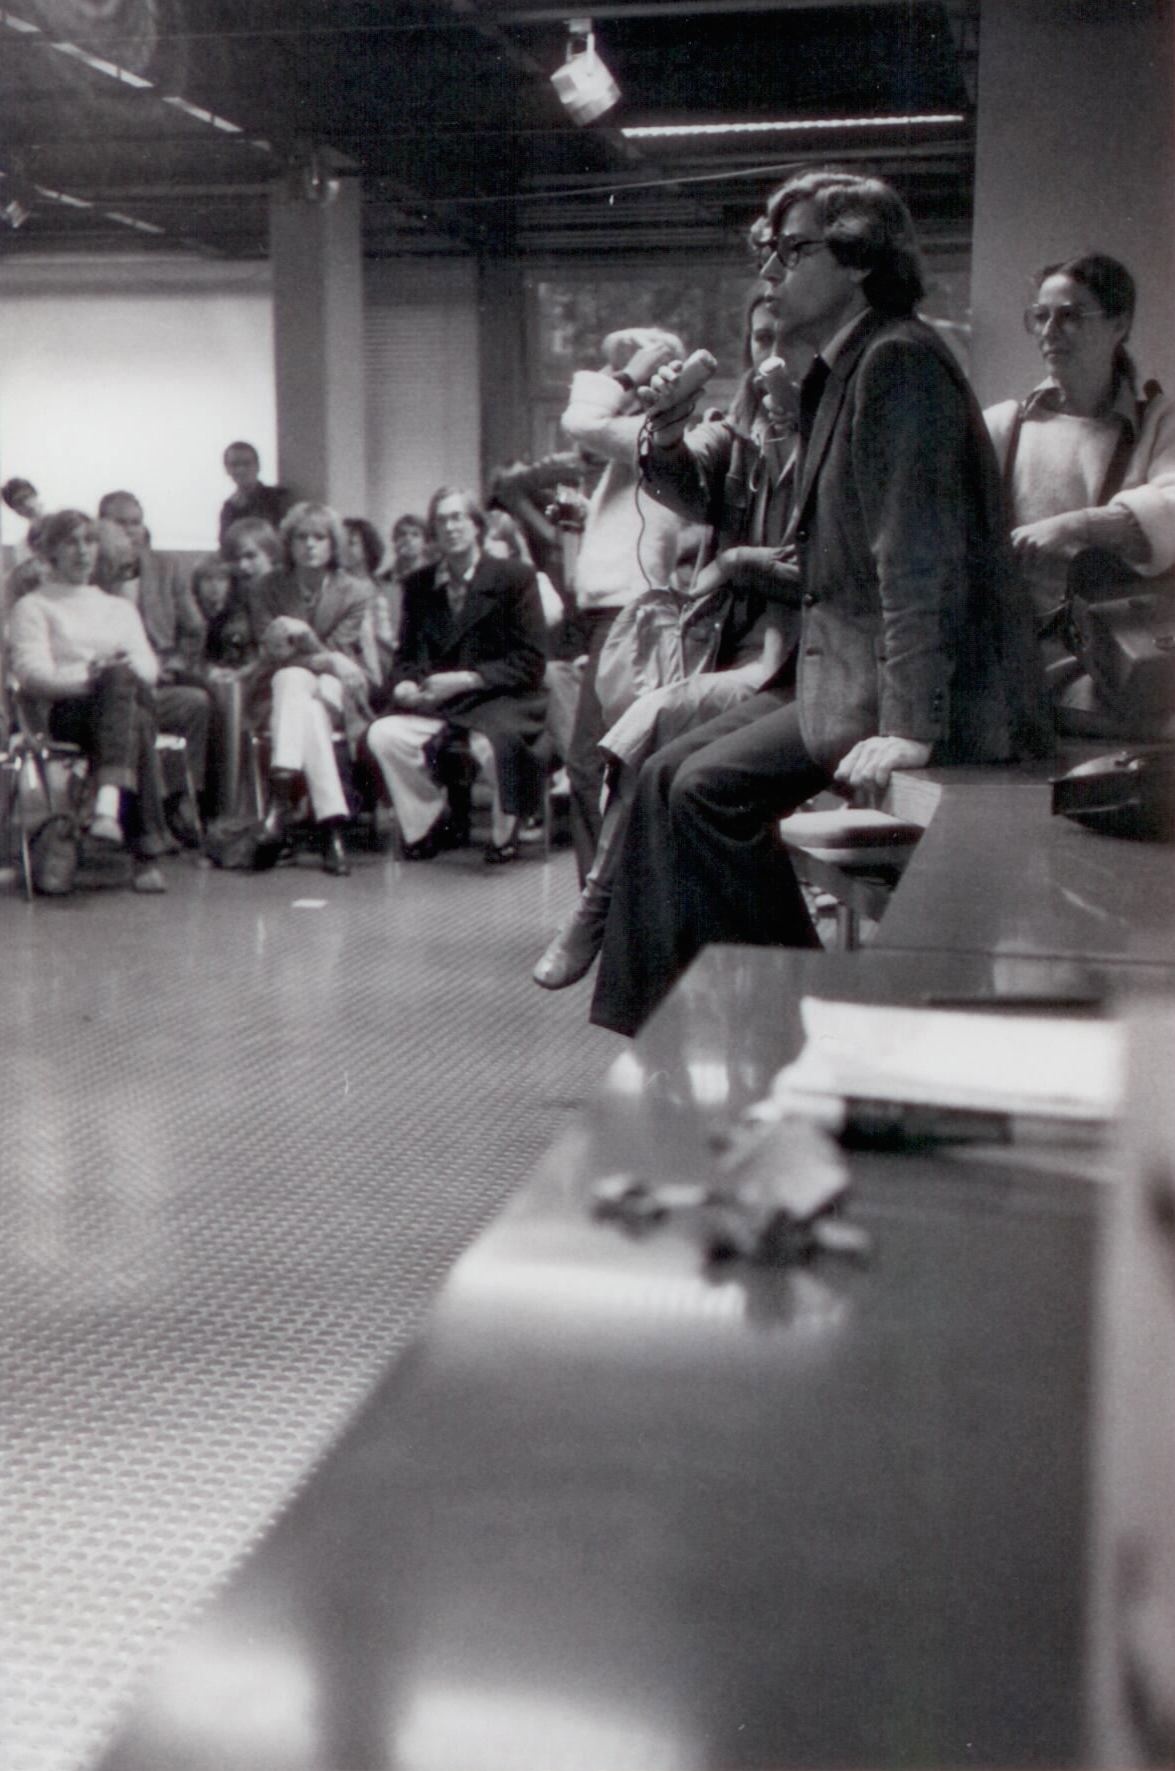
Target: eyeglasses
{"points": [[788, 248], [1065, 317]]}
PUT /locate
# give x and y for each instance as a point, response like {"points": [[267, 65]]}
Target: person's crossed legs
{"points": [[701, 862]]}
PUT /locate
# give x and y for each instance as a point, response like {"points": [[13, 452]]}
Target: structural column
{"points": [[318, 330], [1075, 152]]}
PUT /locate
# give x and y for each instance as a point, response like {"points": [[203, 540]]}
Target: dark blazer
{"points": [[912, 623], [500, 632]]}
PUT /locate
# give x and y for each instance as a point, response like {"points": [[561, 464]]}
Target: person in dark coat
{"points": [[471, 659], [915, 645]]}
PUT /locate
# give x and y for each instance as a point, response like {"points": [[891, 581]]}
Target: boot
{"points": [[281, 804], [572, 953], [334, 855]]}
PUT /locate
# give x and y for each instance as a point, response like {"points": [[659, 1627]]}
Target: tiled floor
{"points": [[247, 1129]]}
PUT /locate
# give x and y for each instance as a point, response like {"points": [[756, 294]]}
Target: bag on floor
{"points": [[239, 844], [53, 855]]}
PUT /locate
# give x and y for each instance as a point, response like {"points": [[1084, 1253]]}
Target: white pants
{"points": [[399, 744], [307, 709]]}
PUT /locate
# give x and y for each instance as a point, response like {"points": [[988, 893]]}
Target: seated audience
{"points": [[1088, 459], [222, 669], [158, 586], [410, 551], [733, 473], [87, 655], [28, 568], [307, 623], [627, 544], [252, 549], [471, 661], [252, 498], [363, 558], [913, 644]]}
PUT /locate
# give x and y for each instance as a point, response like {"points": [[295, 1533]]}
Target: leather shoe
{"points": [[500, 854], [572, 953], [334, 855]]}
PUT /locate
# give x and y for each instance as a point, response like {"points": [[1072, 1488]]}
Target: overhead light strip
{"points": [[201, 115], [792, 126], [111, 69], [19, 24]]}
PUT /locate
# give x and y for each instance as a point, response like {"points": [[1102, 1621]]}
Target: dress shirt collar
{"points": [[1126, 406]]}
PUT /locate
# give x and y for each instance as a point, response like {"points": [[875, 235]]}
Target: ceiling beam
{"points": [[553, 15]]}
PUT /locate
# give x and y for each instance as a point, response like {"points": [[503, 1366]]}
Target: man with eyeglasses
{"points": [[914, 646]]}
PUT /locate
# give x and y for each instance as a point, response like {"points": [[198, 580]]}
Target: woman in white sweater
{"points": [[1088, 461], [87, 656]]}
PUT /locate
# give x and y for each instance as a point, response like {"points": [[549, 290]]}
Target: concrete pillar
{"points": [[505, 416], [318, 341], [1075, 152]]}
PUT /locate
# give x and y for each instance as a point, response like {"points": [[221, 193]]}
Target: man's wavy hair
{"points": [[865, 225]]}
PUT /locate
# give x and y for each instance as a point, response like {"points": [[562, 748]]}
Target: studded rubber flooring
{"points": [[247, 1128]]}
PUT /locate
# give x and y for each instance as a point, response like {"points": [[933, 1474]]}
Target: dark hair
{"points": [[372, 541], [307, 510], [473, 510], [1112, 287], [108, 498], [254, 529], [59, 526], [865, 225], [239, 444], [13, 489], [409, 520]]}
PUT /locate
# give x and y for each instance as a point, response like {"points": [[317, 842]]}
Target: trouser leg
{"points": [[400, 745], [585, 766], [698, 863], [302, 727], [186, 712], [503, 824]]}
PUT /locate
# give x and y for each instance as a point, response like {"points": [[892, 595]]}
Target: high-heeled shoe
{"points": [[334, 855], [573, 951]]}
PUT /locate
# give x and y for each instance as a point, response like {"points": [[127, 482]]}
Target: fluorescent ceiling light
{"points": [[129, 221], [201, 115], [794, 126], [19, 24], [100, 66], [63, 197]]}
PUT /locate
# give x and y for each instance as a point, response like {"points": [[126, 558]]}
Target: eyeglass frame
{"points": [[1066, 316], [793, 251]]}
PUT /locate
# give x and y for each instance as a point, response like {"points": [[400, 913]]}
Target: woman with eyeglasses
{"points": [[309, 621], [1088, 458]]}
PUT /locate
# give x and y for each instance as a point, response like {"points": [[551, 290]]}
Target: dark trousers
{"points": [[700, 861], [114, 724], [585, 765], [185, 711]]}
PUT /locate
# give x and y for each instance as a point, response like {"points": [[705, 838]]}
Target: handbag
{"points": [[1125, 641], [53, 855], [1129, 793]]}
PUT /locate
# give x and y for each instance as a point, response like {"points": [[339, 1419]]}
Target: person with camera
{"points": [[628, 544]]}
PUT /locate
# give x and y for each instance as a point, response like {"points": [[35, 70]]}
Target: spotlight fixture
{"points": [[313, 178], [584, 84]]}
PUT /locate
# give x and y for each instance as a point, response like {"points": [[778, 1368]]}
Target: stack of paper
{"points": [[1037, 1066]]}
